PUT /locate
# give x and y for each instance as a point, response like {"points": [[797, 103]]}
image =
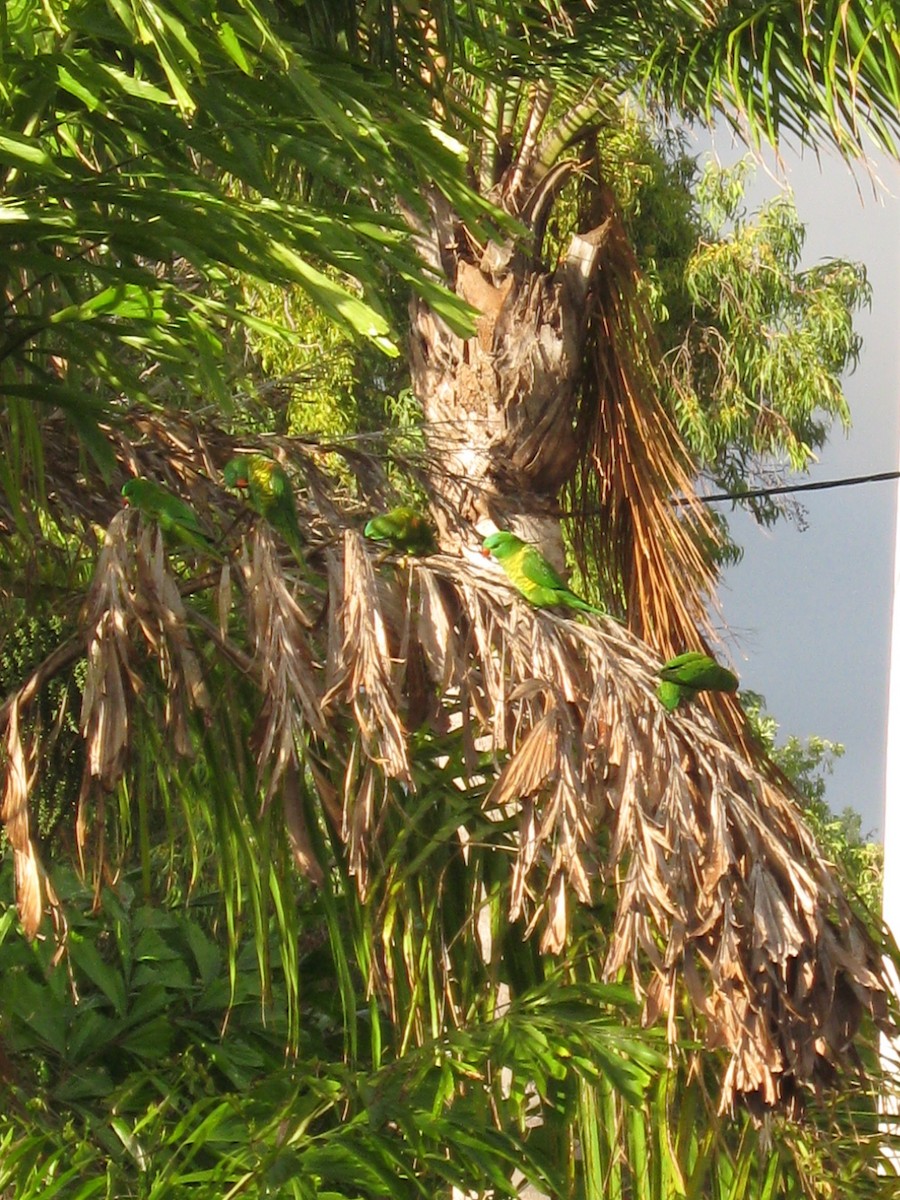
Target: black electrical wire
{"points": [[784, 489]]}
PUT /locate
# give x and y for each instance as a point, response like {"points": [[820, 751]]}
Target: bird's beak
{"points": [[485, 552]]}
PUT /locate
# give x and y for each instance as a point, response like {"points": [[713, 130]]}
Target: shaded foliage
{"points": [[147, 1068]]}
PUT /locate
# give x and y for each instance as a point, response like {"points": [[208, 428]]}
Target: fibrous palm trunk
{"points": [[501, 408]]}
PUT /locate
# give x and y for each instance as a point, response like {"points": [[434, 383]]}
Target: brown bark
{"points": [[501, 407]]}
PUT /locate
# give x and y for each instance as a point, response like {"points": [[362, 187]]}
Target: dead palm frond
{"points": [[592, 790], [652, 552]]}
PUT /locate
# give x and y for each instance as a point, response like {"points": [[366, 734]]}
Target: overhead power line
{"points": [[784, 489]]}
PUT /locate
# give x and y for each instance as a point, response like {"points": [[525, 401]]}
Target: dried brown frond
{"points": [[719, 883], [364, 665], [187, 455], [29, 875], [358, 819], [110, 678], [637, 514], [719, 890], [649, 534], [283, 661], [133, 592], [179, 666], [133, 598]]}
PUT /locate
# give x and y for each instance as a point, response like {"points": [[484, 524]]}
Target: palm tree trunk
{"points": [[501, 407]]}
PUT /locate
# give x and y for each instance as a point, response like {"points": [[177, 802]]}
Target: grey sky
{"points": [[809, 612]]}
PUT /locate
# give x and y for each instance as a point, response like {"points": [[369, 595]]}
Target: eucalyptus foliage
{"points": [[808, 762], [756, 378]]}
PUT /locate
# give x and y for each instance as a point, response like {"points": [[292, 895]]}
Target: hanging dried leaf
{"points": [[133, 590], [109, 679], [369, 643], [14, 814], [283, 660], [298, 830], [358, 819]]}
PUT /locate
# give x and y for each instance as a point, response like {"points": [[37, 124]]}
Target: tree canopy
{"points": [[457, 841]]}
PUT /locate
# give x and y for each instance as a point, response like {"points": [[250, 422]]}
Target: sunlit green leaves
{"points": [[822, 70], [757, 379], [159, 155]]}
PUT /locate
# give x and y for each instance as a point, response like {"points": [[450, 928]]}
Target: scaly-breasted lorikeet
{"points": [[404, 529], [683, 677], [531, 574], [174, 516], [270, 494]]}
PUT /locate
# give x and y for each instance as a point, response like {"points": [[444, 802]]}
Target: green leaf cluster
{"points": [[756, 378], [146, 1068], [821, 72], [155, 158], [808, 762]]}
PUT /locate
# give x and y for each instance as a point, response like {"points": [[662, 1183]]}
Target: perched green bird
{"points": [[683, 677], [404, 529], [270, 494], [174, 516], [531, 574]]}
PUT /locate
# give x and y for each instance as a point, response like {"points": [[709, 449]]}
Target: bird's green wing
{"points": [[689, 659], [540, 583], [276, 482], [532, 566], [178, 512], [156, 501], [173, 515], [259, 482], [715, 678], [270, 488], [698, 671], [381, 529], [404, 528], [669, 695]]}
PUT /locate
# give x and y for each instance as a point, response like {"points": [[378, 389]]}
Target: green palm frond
{"points": [[115, 285], [821, 70], [153, 1069]]}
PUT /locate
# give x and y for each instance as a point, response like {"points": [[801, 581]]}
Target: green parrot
{"points": [[174, 516], [405, 530], [531, 574], [683, 677], [270, 494]]}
